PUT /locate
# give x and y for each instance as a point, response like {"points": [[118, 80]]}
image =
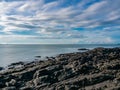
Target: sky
{"points": [[59, 21]]}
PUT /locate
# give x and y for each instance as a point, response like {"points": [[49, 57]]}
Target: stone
{"points": [[93, 69], [1, 68], [9, 88]]}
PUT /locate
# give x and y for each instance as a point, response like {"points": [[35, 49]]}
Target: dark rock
{"points": [[42, 79], [38, 56], [114, 67], [1, 68], [2, 84], [11, 83], [82, 49], [9, 88], [17, 63], [97, 69], [14, 65]]}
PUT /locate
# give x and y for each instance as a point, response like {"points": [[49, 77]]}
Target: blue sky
{"points": [[59, 21]]}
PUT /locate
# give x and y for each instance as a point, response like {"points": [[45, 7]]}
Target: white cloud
{"points": [[53, 20]]}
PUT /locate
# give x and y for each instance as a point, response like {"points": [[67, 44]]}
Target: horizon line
{"points": [[59, 44]]}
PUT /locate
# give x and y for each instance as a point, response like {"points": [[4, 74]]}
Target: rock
{"points": [[11, 83], [26, 88], [9, 88], [97, 69], [114, 67], [42, 79], [17, 63], [38, 56], [2, 84], [1, 68], [83, 49]]}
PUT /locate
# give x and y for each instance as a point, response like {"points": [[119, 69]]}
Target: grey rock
{"points": [[97, 69]]}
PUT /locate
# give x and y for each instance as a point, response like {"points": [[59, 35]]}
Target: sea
{"points": [[11, 53]]}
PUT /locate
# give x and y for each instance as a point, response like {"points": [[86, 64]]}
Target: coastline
{"points": [[20, 52], [98, 68]]}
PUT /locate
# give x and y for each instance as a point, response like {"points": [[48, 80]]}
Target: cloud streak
{"points": [[59, 19]]}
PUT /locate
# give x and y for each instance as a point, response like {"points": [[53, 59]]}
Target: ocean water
{"points": [[15, 53]]}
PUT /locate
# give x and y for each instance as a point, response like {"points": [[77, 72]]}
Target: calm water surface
{"points": [[15, 53]]}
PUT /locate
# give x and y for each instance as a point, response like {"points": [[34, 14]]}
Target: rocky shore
{"points": [[97, 69]]}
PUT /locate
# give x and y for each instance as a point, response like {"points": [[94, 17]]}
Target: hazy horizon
{"points": [[58, 44]]}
